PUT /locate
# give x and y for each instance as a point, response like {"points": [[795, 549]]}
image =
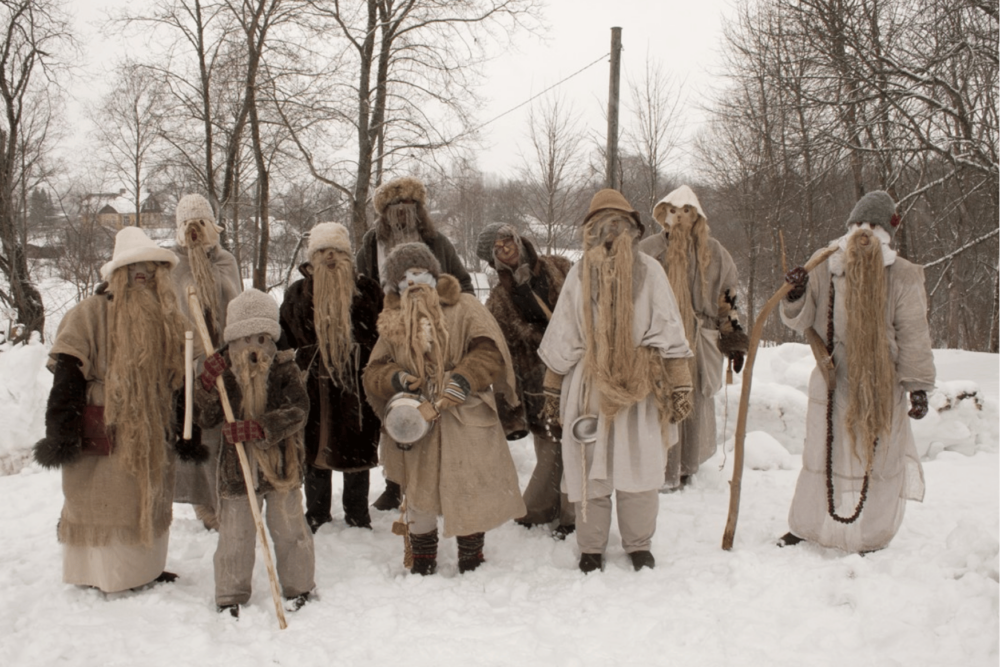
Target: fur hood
{"points": [[448, 290]]}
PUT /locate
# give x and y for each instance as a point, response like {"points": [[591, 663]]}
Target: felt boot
{"points": [[789, 540], [641, 559], [470, 552], [390, 498], [425, 549], [355, 499], [591, 562]]}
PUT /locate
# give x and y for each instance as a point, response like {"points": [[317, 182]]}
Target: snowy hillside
{"points": [[931, 598]]}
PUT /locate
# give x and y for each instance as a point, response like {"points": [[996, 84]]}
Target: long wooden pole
{"points": [[206, 339], [614, 88], [741, 420]]}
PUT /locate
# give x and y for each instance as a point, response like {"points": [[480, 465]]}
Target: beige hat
{"points": [[194, 207], [682, 196], [328, 235], [612, 199], [131, 246]]}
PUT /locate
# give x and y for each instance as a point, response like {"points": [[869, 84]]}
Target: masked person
{"points": [[401, 217], [118, 362], [213, 272], [522, 303], [617, 362], [860, 464], [703, 277], [443, 344], [330, 317], [268, 398]]}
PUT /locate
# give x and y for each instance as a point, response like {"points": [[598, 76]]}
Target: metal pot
{"points": [[584, 429], [403, 421]]}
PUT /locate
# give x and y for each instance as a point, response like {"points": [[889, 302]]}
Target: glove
{"points": [[214, 366], [680, 398], [737, 359], [403, 381], [798, 278], [428, 411], [918, 404], [455, 392], [242, 431]]}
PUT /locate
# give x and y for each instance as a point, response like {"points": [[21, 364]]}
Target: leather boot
{"points": [[390, 498], [470, 552], [425, 549]]}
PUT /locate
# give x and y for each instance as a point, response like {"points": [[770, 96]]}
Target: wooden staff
{"points": [[188, 383], [741, 420], [206, 339]]}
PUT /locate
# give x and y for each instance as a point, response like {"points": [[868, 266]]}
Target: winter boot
{"points": [[390, 498], [563, 530], [641, 559], [591, 562], [470, 552], [166, 578], [233, 609], [425, 550], [789, 540], [297, 602], [355, 499]]}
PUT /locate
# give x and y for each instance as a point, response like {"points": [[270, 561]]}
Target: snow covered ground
{"points": [[931, 598]]}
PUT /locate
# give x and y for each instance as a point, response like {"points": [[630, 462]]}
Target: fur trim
{"points": [[193, 450], [399, 189], [449, 289], [408, 256], [55, 452], [733, 341]]}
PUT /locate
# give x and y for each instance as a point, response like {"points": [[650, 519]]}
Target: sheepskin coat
{"points": [[283, 423], [462, 469], [629, 454], [897, 475], [366, 259], [342, 432], [523, 327], [697, 433]]}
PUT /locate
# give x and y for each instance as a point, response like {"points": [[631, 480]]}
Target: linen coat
{"points": [[629, 453], [462, 469], [897, 475]]}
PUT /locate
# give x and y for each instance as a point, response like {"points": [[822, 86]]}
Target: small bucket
{"points": [[584, 429], [403, 421]]}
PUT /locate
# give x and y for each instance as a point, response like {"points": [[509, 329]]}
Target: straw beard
{"points": [[870, 371], [145, 366], [399, 224], [333, 294], [612, 362], [687, 240], [204, 279], [426, 336]]}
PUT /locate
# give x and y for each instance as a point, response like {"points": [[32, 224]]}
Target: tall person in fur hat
{"points": [[522, 303], [118, 362], [617, 361], [268, 397], [703, 277], [401, 217], [860, 464], [443, 344], [213, 272], [330, 317]]}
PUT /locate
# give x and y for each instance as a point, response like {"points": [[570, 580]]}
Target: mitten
{"points": [[455, 392], [737, 359], [242, 431], [681, 401], [51, 452], [918, 404], [63, 441], [193, 450], [214, 366], [798, 278], [678, 372], [403, 381]]}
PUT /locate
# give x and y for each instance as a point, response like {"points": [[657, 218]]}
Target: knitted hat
{"points": [[612, 199], [679, 198], [397, 190], [876, 208], [251, 312], [328, 235], [193, 207], [484, 244], [131, 246], [408, 256]]}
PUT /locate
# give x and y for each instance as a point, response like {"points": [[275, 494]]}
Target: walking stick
{"points": [[206, 339], [741, 419]]}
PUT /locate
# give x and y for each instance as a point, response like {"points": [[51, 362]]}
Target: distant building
{"points": [[113, 210]]}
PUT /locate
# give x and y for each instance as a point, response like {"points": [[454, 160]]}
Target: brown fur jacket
{"points": [[523, 326], [283, 424]]}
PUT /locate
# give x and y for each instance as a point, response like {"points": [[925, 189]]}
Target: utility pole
{"points": [[611, 165]]}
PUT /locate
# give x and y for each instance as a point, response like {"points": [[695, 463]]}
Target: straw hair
{"points": [[687, 242], [333, 295]]}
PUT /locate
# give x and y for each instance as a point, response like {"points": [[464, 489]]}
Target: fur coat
{"points": [[283, 422], [366, 259], [462, 469], [343, 431], [523, 328], [897, 475]]}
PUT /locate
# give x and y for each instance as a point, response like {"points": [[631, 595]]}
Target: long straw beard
{"points": [[686, 241], [426, 336], [870, 371], [145, 366], [204, 281], [400, 224], [251, 366], [333, 294], [612, 361]]}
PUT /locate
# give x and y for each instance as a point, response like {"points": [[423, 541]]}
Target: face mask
{"points": [[258, 342], [416, 277], [680, 215], [141, 274]]}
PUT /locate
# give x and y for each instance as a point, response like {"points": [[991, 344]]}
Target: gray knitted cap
{"points": [[876, 208], [484, 244], [408, 256], [251, 313]]}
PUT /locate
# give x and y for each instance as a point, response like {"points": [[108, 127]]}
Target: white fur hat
{"points": [[131, 246], [194, 207], [682, 196], [251, 312], [328, 235]]}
